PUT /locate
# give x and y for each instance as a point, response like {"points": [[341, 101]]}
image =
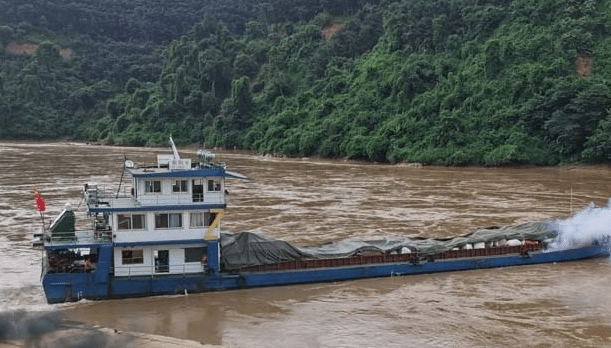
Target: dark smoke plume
{"points": [[49, 330], [21, 325]]}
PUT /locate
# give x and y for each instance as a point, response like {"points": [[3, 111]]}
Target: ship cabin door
{"points": [[162, 261], [198, 190]]}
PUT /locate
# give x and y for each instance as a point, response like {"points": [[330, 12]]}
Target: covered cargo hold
{"points": [[246, 249]]}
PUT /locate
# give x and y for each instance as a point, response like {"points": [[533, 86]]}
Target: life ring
{"points": [[204, 259]]}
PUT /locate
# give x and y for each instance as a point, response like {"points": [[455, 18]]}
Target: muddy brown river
{"points": [[309, 201]]}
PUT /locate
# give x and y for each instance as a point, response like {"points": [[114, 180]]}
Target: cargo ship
{"points": [[160, 234]]}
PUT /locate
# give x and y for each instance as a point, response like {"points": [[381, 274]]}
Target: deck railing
{"points": [[82, 237], [205, 198], [159, 270], [101, 196], [101, 193]]}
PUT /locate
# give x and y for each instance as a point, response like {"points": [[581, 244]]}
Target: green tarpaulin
{"points": [[247, 249]]}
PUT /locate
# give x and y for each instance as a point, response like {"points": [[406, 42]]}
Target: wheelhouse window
{"points": [[168, 220], [152, 186], [132, 257], [194, 254], [198, 190], [180, 186], [131, 221], [214, 185]]}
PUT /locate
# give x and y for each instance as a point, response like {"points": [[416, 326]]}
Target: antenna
{"points": [[122, 173], [176, 156]]}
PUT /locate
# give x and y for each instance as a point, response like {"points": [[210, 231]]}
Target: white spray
{"points": [[589, 225]]}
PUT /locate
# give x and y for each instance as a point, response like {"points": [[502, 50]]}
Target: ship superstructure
{"points": [[164, 223]]}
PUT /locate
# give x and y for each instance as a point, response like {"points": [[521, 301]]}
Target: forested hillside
{"points": [[452, 82]]}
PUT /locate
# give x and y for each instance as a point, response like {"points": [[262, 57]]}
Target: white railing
{"points": [[180, 199], [82, 237], [101, 195], [160, 270], [101, 191]]}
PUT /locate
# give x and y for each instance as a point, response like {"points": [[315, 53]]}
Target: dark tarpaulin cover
{"points": [[251, 249], [247, 249], [64, 224]]}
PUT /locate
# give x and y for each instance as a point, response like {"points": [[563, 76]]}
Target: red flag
{"points": [[40, 203]]}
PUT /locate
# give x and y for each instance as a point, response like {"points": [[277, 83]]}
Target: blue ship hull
{"points": [[62, 287]]}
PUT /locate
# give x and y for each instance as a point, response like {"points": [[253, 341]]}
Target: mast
{"points": [[176, 156]]}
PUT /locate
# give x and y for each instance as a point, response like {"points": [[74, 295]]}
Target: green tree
{"points": [[6, 35]]}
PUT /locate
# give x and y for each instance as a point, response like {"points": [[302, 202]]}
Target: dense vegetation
{"points": [[453, 82]]}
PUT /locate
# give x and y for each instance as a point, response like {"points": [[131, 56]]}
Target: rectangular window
{"points": [[131, 221], [180, 186], [214, 185], [161, 220], [125, 222], [201, 219], [196, 220], [194, 254], [132, 257], [175, 220], [152, 186], [172, 220], [138, 221]]}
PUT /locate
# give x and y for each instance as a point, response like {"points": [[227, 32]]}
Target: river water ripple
{"points": [[307, 201]]}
